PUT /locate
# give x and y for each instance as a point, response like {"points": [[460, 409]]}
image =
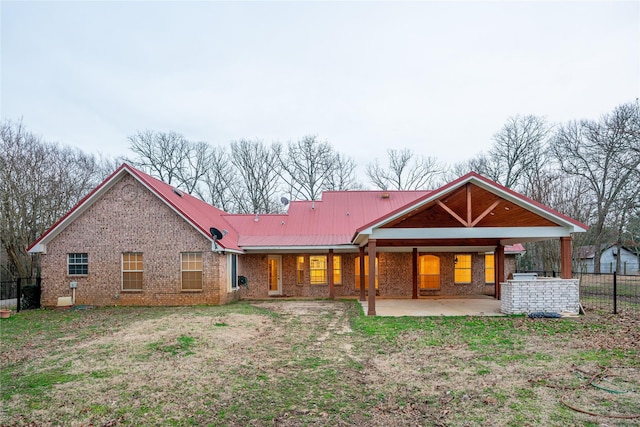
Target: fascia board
{"points": [[298, 249], [38, 248], [470, 233]]}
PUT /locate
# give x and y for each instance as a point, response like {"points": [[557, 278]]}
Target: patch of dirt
{"points": [[300, 362]]}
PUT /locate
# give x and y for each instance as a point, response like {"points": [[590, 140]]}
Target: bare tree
{"points": [[405, 171], [163, 154], [343, 176], [219, 181], [259, 170], [173, 159], [568, 195], [479, 164], [310, 166], [197, 163], [518, 150], [604, 154], [39, 183]]}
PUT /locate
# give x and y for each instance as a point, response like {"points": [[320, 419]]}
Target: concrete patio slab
{"points": [[436, 307]]}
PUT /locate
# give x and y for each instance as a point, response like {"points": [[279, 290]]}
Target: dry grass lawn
{"points": [[315, 363]]}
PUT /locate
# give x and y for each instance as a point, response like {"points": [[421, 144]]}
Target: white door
{"points": [[275, 279]]}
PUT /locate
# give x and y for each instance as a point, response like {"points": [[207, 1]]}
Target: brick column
{"points": [[372, 277]]}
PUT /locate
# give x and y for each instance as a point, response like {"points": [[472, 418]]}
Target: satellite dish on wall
{"points": [[215, 233]]}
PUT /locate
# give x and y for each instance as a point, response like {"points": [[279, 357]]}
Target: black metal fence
{"points": [[610, 293], [20, 294]]}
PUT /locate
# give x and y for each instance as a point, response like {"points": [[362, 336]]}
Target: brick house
{"points": [[135, 240]]}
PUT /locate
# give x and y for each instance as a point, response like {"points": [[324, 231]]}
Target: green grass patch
{"points": [[183, 346], [33, 383]]}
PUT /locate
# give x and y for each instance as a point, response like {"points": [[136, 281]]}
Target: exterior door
{"points": [[275, 280]]}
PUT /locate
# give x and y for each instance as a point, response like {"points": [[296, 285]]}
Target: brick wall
{"points": [[395, 276], [119, 222], [551, 295]]}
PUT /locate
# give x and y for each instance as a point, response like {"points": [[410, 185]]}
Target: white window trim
{"points": [[230, 275], [69, 264], [122, 271], [182, 289]]}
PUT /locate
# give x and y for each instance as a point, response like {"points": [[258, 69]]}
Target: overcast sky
{"points": [[437, 77]]}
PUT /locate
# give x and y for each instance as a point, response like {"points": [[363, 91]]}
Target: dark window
{"points": [[78, 264], [234, 271]]}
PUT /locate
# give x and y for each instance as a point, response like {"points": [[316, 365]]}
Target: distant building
{"points": [[629, 262]]}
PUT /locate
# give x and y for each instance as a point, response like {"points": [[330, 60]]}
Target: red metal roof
{"points": [[200, 214], [327, 222]]}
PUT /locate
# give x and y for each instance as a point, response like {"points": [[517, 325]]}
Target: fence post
{"points": [[18, 294], [615, 293]]}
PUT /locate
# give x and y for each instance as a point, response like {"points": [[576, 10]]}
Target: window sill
{"points": [[131, 291], [191, 291]]}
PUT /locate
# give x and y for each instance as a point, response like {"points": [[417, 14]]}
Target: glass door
{"points": [[275, 281]]}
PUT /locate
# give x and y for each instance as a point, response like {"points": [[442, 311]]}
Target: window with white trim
{"points": [[366, 272], [132, 271], [318, 269], [191, 271], [300, 270], [77, 264], [429, 272], [462, 270], [489, 269], [233, 271], [337, 270]]}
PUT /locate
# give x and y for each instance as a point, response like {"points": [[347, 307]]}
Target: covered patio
{"points": [[476, 306], [471, 215]]}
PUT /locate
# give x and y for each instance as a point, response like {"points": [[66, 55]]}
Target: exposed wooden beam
{"points": [[436, 242], [485, 213], [468, 188], [452, 213]]}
